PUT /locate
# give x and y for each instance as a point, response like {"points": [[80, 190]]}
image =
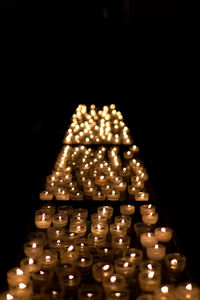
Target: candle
{"points": [[84, 263], [39, 236], [156, 252], [33, 248], [123, 221], [148, 239], [117, 230], [150, 218], [29, 264], [187, 290], [113, 195], [113, 282], [150, 265], [121, 187], [62, 194], [121, 243], [99, 195], [54, 232], [96, 218], [141, 196], [163, 234], [175, 262], [165, 292], [101, 270], [149, 280], [132, 190], [49, 208], [99, 229], [66, 210], [140, 227], [77, 195], [80, 229], [59, 220], [22, 290], [133, 254], [69, 253], [42, 219], [41, 278], [16, 276], [48, 259], [80, 212], [128, 154], [45, 195], [124, 266], [147, 208], [118, 294], [106, 252], [70, 280], [100, 180], [105, 211], [127, 209]]}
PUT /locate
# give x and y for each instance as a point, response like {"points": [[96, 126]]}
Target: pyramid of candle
{"points": [[111, 249], [97, 126]]}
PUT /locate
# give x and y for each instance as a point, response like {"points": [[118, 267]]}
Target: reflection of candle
{"points": [[156, 252], [163, 234]]}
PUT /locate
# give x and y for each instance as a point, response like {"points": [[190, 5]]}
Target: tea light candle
{"points": [[163, 234], [113, 282], [141, 196], [90, 191], [150, 265], [70, 280], [127, 209], [77, 195], [100, 229], [89, 292], [41, 278], [128, 154], [124, 172], [165, 292], [29, 264], [99, 195], [175, 262], [45, 195], [124, 266], [150, 218], [69, 253], [22, 290], [113, 195], [80, 212], [121, 243], [100, 180], [133, 254], [84, 263], [149, 280], [49, 208], [17, 275], [187, 290], [147, 208], [105, 211], [62, 194], [148, 239], [121, 187], [33, 248], [95, 218], [132, 190], [66, 210], [48, 259], [156, 252], [54, 232], [117, 230], [140, 227], [101, 270], [106, 252], [59, 220], [42, 219], [123, 221], [80, 229]]}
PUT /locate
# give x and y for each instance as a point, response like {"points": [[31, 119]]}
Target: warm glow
{"points": [[189, 287], [31, 261], [22, 285], [151, 274], [113, 279], [34, 245], [106, 267], [126, 264], [89, 295], [163, 229], [164, 289], [9, 297], [71, 277], [19, 272]]}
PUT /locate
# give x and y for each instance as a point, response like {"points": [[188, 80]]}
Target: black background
{"points": [[168, 139]]}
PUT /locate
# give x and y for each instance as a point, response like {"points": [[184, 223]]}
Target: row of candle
{"points": [[76, 254], [95, 126], [101, 180]]}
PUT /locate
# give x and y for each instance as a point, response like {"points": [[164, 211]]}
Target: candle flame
{"points": [[34, 245], [113, 279], [90, 295], [9, 297], [83, 259], [118, 294], [22, 285], [106, 267], [149, 266], [71, 277], [164, 289], [19, 272], [163, 229], [174, 262], [31, 261], [189, 287], [151, 274], [98, 226], [126, 264]]}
